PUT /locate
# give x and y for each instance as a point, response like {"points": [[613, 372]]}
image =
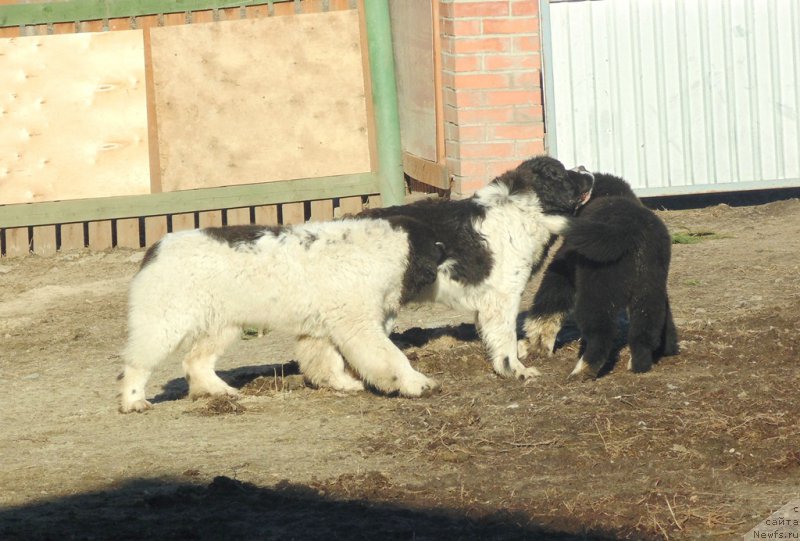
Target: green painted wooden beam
{"points": [[92, 10], [384, 98], [105, 208]]}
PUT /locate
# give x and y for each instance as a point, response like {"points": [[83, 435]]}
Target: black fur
{"points": [[559, 192], [452, 221], [238, 235], [150, 255], [452, 225], [615, 256], [424, 256]]}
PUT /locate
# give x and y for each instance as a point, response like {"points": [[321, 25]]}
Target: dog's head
{"points": [[559, 191]]}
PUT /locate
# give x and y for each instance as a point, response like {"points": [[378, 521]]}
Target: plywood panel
{"points": [[412, 37], [260, 100], [74, 117]]}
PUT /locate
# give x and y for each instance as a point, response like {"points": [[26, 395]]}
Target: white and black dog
{"points": [[614, 257], [336, 286], [493, 240]]}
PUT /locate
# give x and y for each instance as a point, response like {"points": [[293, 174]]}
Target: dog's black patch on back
{"points": [[453, 224], [238, 235], [425, 254]]}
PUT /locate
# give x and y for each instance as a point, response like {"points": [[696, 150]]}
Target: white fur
{"points": [[334, 285], [516, 232], [542, 333], [580, 368]]}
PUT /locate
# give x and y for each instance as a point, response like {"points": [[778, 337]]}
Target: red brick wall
{"points": [[493, 108]]}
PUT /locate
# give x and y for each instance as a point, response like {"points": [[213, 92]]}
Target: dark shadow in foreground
{"points": [[229, 509]]}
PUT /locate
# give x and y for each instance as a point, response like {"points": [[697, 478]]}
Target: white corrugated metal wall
{"points": [[677, 96]]}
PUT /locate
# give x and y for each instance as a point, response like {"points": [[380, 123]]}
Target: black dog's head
{"points": [[559, 191]]}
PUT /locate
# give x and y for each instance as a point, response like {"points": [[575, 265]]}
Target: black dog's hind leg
{"points": [[598, 330], [648, 316]]}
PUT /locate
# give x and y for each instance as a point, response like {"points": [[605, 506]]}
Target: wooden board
{"points": [[349, 206], [127, 233], [182, 222], [293, 213], [155, 227], [74, 117], [17, 242], [44, 240], [259, 100], [72, 237], [240, 216], [413, 40], [266, 215], [211, 218], [321, 210], [100, 235]]}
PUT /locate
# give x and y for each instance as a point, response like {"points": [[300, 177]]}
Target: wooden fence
{"points": [[179, 159]]}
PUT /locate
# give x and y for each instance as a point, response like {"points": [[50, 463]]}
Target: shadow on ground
{"points": [[230, 509]]}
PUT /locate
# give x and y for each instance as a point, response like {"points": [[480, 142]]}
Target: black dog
{"points": [[615, 256]]}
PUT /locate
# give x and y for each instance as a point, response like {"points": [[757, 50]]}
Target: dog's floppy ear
{"points": [[547, 167]]}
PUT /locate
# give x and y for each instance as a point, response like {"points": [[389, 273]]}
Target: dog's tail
{"points": [[669, 336], [598, 241], [607, 228]]}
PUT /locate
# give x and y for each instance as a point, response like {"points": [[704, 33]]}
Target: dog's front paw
{"points": [[418, 385], [527, 373], [212, 388], [135, 405]]}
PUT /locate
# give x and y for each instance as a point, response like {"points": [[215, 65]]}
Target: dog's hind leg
{"points": [[370, 352], [497, 326], [644, 336], [198, 364], [598, 329], [323, 366]]}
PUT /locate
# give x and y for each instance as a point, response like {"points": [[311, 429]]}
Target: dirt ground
{"points": [[703, 447]]}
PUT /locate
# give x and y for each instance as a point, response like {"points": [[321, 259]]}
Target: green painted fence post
{"points": [[384, 98]]}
